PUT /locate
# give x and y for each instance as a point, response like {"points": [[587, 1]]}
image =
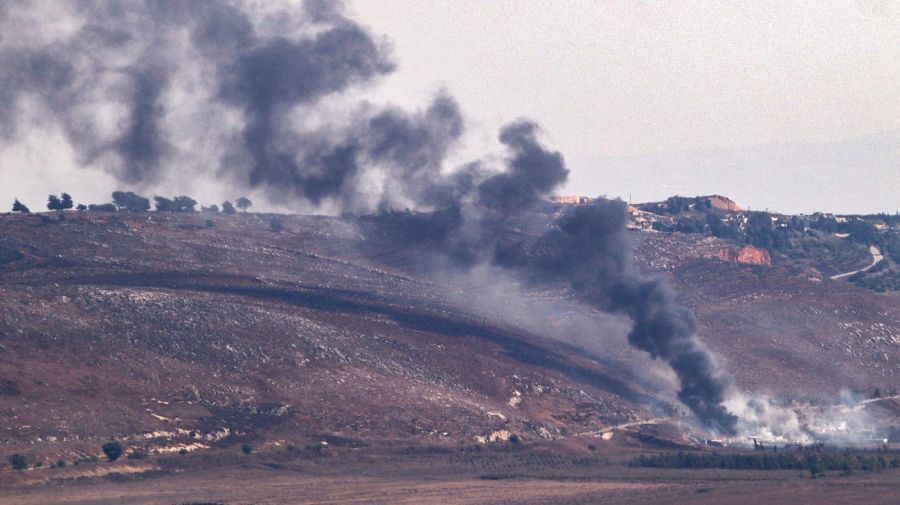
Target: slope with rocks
{"points": [[129, 324], [171, 329]]}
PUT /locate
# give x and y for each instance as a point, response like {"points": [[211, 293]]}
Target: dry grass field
{"points": [[506, 477]]}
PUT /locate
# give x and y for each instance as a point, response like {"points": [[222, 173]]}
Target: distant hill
{"points": [[825, 244]]}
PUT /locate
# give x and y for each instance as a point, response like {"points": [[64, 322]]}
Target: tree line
{"points": [[759, 229], [817, 463], [131, 202], [112, 449]]}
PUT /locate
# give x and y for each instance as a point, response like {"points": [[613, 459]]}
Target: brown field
{"points": [[525, 476]]}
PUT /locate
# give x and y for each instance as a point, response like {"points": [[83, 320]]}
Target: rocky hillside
{"points": [[183, 330]]}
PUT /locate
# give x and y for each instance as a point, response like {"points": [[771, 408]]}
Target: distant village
{"points": [[662, 216], [863, 249]]}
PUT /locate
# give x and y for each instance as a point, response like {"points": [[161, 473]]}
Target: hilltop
{"points": [[825, 245]]}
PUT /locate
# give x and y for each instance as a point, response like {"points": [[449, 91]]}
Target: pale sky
{"points": [[791, 106], [620, 85]]}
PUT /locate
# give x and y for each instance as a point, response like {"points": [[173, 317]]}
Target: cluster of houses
{"points": [[643, 220], [571, 199]]}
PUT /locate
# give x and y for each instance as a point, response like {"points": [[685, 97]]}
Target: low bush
{"points": [[18, 462], [112, 450]]}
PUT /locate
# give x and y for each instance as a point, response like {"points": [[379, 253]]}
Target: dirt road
{"points": [[876, 259]]}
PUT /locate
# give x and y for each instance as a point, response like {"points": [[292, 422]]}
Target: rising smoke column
{"points": [[590, 248], [412, 148], [477, 202], [102, 80], [142, 145]]}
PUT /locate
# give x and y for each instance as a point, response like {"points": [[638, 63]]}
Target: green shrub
{"points": [[113, 450], [816, 463], [18, 462]]}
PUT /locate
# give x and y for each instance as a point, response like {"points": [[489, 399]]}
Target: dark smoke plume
{"points": [[163, 63], [533, 172], [590, 248], [267, 80], [476, 203], [155, 59], [414, 148], [142, 145]]}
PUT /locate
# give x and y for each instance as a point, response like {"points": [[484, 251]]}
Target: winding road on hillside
{"points": [[876, 259]]}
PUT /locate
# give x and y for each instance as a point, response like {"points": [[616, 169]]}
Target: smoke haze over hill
{"points": [[226, 99]]}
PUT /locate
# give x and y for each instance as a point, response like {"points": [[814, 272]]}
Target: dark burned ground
{"points": [[167, 334], [534, 475]]}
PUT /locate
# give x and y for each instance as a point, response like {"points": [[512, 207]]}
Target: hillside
{"points": [[821, 244], [116, 325], [185, 331]]}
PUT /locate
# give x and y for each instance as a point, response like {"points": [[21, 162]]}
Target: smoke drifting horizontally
{"points": [[165, 88]]}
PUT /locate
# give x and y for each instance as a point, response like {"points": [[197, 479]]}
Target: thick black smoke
{"points": [[414, 147], [133, 83], [590, 248], [533, 172], [477, 202]]}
